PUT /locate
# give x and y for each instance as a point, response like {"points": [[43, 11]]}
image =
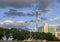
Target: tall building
{"points": [[52, 29], [48, 29], [40, 29], [45, 28]]}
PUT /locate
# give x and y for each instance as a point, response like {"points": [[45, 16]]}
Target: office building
{"points": [[48, 29]]}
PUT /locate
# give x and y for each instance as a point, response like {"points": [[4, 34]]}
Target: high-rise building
{"points": [[52, 29], [45, 28], [48, 29], [40, 29]]}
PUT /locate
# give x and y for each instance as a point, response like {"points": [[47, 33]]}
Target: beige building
{"points": [[48, 29], [58, 35], [45, 28]]}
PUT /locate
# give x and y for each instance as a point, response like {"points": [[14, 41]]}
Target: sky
{"points": [[17, 13]]}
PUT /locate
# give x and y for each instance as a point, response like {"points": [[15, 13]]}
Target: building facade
{"points": [[52, 29], [58, 35], [48, 29]]}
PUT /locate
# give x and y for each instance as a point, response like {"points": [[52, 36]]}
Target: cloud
{"points": [[11, 24], [56, 4], [13, 12], [44, 3], [58, 1], [56, 19], [54, 25], [16, 3], [24, 3]]}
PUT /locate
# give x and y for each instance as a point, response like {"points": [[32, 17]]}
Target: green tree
{"points": [[50, 37], [42, 36], [25, 33], [7, 33], [35, 35], [16, 34], [1, 33]]}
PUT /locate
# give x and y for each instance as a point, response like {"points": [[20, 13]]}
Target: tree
{"points": [[35, 35], [50, 37], [25, 33], [16, 34], [42, 36], [7, 33], [1, 33]]}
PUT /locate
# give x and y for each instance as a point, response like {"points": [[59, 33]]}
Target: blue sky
{"points": [[53, 7]]}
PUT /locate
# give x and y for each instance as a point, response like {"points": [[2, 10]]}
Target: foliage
{"points": [[20, 34], [1, 33], [7, 33], [43, 36], [37, 35], [50, 37], [25, 33]]}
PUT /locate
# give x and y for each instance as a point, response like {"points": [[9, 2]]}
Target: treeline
{"points": [[18, 34]]}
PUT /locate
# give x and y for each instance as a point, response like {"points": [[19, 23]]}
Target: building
{"points": [[52, 29], [58, 35], [40, 29], [48, 29], [45, 28]]}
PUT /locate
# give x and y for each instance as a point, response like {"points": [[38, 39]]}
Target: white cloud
{"points": [[11, 24], [8, 21], [55, 19], [54, 25], [19, 21]]}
